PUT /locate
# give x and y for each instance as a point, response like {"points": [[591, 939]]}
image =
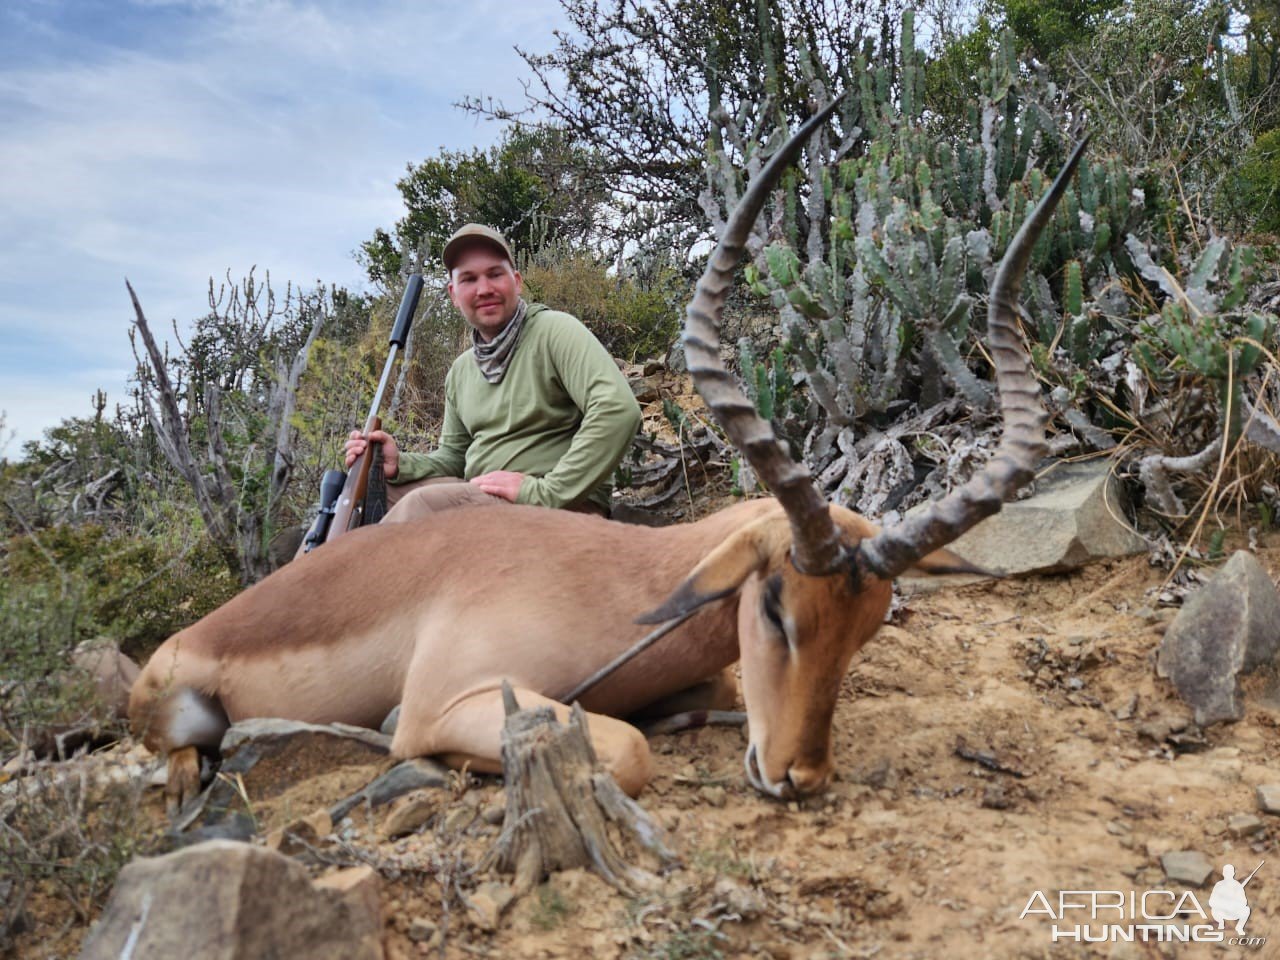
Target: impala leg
{"points": [[183, 783], [718, 692], [469, 733]]}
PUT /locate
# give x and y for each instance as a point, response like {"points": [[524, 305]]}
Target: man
{"points": [[536, 412]]}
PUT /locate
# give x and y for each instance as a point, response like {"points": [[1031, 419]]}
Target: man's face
{"points": [[485, 288]]}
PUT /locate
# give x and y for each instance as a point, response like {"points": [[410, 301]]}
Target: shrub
{"points": [[632, 318], [69, 583], [1258, 181]]}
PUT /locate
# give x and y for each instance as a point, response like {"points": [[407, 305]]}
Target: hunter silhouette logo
{"points": [[1162, 916], [1228, 900]]}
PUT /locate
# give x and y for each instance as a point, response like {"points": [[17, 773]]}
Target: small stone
{"points": [[1269, 797], [715, 796], [1118, 828], [408, 814], [741, 900], [458, 819], [1190, 867], [320, 823], [488, 903], [1243, 825], [646, 389], [495, 811], [294, 839], [421, 929]]}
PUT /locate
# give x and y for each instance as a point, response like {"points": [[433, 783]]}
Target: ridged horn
{"points": [[1022, 446], [815, 540]]}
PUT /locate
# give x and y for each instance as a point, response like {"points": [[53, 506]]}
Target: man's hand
{"points": [[390, 452], [500, 483]]}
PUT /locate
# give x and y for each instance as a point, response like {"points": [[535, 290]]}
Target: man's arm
{"points": [[610, 418]]}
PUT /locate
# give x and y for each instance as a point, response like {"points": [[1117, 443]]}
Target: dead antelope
{"points": [[435, 615]]}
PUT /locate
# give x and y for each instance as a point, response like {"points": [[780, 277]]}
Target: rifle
{"points": [[343, 496]]}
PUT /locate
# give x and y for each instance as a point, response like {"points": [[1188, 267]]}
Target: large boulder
{"points": [[225, 901], [1227, 628], [1075, 516]]}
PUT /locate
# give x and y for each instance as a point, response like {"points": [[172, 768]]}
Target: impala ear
{"points": [[724, 569]]}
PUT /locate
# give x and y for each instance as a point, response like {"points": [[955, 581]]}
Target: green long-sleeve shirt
{"points": [[563, 415]]}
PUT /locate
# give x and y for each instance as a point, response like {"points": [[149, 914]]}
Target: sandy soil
{"points": [[998, 739]]}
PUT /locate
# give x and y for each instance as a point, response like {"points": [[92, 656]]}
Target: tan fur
{"points": [[435, 614]]}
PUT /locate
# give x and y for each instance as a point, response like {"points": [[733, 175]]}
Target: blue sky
{"points": [[168, 141]]}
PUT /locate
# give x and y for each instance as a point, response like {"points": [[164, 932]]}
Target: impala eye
{"points": [[771, 603]]}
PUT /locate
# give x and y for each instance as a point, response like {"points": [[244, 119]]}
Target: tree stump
{"points": [[560, 802]]}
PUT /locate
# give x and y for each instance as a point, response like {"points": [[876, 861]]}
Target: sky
{"points": [[168, 141]]}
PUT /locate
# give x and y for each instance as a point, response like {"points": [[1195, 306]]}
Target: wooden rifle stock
{"points": [[349, 509]]}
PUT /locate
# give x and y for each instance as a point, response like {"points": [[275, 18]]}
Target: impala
{"points": [[434, 616]]}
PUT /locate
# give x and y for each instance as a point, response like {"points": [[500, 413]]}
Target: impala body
{"points": [[537, 597]]}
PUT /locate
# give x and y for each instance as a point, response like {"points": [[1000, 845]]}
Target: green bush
{"points": [[70, 583], [1259, 182], [632, 318]]}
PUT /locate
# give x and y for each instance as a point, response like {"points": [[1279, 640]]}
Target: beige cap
{"points": [[469, 234]]}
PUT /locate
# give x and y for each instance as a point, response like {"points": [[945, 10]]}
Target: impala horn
{"points": [[815, 541], [1022, 446]]}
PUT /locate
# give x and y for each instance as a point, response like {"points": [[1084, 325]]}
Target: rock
{"points": [[495, 811], [1269, 797], [234, 827], [409, 813], [416, 774], [111, 672], [488, 903], [301, 836], [421, 929], [1074, 518], [264, 730], [391, 721], [625, 512], [746, 903], [1190, 867], [360, 886], [715, 796], [458, 819], [1244, 825], [222, 901], [1225, 629], [645, 389], [676, 361]]}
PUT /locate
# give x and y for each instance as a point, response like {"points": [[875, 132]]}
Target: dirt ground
{"points": [[996, 740]]}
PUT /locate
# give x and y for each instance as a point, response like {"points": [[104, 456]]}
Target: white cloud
{"points": [[200, 136]]}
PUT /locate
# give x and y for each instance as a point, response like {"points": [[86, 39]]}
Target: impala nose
{"points": [[807, 780], [800, 779]]}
